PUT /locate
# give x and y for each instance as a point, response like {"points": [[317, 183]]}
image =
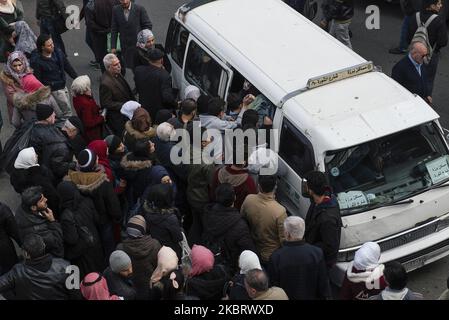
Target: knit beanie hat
{"points": [[43, 111], [113, 143], [119, 261], [136, 227], [87, 159]]}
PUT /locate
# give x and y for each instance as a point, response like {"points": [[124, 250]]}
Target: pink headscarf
{"points": [[95, 287], [202, 260]]}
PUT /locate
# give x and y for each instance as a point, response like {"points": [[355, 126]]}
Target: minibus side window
{"points": [[179, 44], [296, 149], [202, 70]]}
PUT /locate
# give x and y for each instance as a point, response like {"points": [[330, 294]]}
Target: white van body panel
{"points": [[278, 51]]}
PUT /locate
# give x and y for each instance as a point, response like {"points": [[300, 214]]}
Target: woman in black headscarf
{"points": [[82, 244]]}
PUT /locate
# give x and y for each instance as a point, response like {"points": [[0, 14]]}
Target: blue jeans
{"points": [[47, 27], [403, 45]]}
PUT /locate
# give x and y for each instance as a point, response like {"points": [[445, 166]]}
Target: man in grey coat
{"points": [[128, 19]]}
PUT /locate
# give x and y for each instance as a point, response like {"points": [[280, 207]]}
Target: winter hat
{"points": [[119, 261], [87, 159], [136, 227], [43, 111], [26, 159], [76, 122], [248, 260], [30, 83], [113, 143], [128, 108], [192, 92], [367, 257]]}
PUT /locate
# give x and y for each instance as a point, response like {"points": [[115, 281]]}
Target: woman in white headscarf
{"points": [[364, 276], [27, 173], [248, 260], [145, 42]]}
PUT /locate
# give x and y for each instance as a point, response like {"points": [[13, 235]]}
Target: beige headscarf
{"points": [[167, 261]]}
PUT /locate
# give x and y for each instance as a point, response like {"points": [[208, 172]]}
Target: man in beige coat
{"points": [[265, 217]]}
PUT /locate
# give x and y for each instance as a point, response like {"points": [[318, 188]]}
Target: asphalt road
{"points": [[371, 44]]}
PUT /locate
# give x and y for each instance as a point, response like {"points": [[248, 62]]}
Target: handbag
{"points": [[60, 19]]}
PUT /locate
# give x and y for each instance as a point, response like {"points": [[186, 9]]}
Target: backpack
{"points": [[421, 33]]}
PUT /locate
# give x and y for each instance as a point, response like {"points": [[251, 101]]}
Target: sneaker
{"points": [[397, 51]]}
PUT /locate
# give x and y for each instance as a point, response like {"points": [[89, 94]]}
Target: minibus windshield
{"points": [[389, 169]]}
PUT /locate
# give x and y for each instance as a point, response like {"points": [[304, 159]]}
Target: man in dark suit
{"points": [[128, 19], [154, 84], [410, 72], [114, 92]]}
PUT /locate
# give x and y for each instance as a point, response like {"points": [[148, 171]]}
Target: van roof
{"points": [[279, 50]]}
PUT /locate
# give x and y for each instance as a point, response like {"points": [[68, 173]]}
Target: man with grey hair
{"points": [[114, 92], [298, 267], [257, 287], [410, 72]]}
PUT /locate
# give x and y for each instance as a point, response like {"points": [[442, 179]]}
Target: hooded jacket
{"points": [[228, 224], [97, 186], [323, 228], [208, 285], [164, 226], [143, 253], [25, 104], [52, 147], [131, 135]]}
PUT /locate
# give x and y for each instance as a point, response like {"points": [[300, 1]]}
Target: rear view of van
{"points": [[381, 147]]}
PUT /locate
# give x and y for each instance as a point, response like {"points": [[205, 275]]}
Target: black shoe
{"points": [[397, 51]]}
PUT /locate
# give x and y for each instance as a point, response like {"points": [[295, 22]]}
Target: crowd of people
{"points": [[99, 189]]}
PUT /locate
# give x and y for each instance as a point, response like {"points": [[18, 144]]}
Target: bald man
{"points": [[411, 74]]}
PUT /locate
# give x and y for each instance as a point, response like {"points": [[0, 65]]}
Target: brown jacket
{"points": [[273, 293], [266, 220], [114, 92]]}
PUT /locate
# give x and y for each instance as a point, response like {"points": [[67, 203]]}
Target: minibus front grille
{"points": [[400, 240]]}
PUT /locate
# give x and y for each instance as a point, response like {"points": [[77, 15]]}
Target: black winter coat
{"points": [[154, 86], [227, 223], [51, 71], [437, 30], [340, 10], [78, 249], [141, 58], [50, 232], [323, 228], [48, 8], [120, 286], [8, 231], [164, 226], [53, 149], [22, 179], [143, 253], [208, 285], [38, 279], [406, 74], [299, 269], [96, 186]]}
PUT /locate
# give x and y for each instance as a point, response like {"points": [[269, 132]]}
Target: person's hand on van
{"points": [[429, 99], [323, 24]]}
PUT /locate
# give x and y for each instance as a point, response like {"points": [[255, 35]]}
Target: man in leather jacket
{"points": [[337, 18], [40, 277]]}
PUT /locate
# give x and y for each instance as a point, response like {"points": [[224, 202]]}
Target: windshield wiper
{"points": [[408, 201]]}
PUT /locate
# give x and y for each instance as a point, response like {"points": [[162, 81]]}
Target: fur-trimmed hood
{"points": [[8, 80], [150, 133], [86, 182], [367, 276], [28, 101], [129, 163]]}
